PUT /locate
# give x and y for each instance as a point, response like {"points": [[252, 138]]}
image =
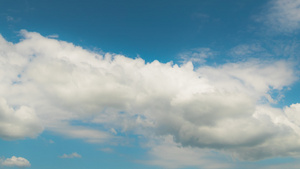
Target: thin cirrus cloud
{"points": [[283, 15], [63, 88], [53, 36], [245, 51], [72, 155], [15, 162], [197, 55]]}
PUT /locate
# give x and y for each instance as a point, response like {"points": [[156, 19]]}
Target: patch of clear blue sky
{"points": [[44, 152], [156, 29], [153, 29]]}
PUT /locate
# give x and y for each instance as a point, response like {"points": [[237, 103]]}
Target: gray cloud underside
{"points": [[47, 84]]}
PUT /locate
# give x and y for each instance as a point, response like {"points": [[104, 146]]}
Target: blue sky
{"points": [[149, 84]]}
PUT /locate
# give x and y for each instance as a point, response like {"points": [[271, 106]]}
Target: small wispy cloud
{"points": [[15, 162], [89, 134], [53, 36], [282, 16], [244, 51], [107, 150], [197, 55], [73, 155], [200, 15], [9, 18]]}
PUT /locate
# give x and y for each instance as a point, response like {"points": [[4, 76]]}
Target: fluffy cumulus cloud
{"points": [[54, 85], [284, 15], [15, 162], [19, 122]]}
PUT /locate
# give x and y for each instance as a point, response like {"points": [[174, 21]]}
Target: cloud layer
{"points": [[54, 85]]}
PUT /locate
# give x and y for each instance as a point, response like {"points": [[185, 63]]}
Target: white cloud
{"points": [[245, 51], [197, 55], [89, 134], [73, 155], [283, 15], [169, 154], [293, 113], [209, 108], [15, 162], [18, 123]]}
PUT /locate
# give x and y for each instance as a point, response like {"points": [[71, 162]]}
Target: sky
{"points": [[158, 84]]}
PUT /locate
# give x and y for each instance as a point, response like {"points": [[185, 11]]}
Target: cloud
{"points": [[15, 162], [53, 36], [283, 15], [169, 154], [293, 112], [245, 51], [9, 18], [19, 122], [73, 155], [82, 94], [107, 150], [88, 134], [197, 55]]}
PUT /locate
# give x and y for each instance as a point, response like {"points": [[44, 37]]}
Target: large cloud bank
{"points": [[50, 84]]}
